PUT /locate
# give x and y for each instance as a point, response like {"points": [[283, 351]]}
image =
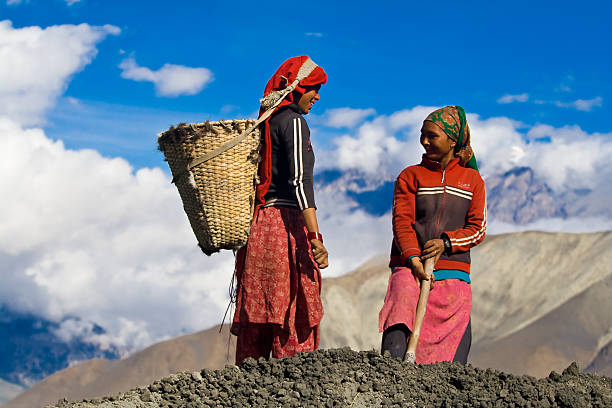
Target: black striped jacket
{"points": [[292, 160]]}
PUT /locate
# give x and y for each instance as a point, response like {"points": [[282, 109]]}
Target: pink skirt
{"points": [[446, 318]]}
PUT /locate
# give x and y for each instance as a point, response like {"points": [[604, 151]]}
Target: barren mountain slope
{"points": [[92, 378], [351, 304], [602, 363], [69, 382], [540, 301], [574, 331], [518, 278]]}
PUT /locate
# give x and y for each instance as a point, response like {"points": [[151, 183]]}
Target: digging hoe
{"points": [[420, 311]]}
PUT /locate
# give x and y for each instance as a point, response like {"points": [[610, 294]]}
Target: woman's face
{"points": [[437, 144], [307, 100]]}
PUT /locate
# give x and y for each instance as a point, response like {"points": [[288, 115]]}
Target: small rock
{"points": [[572, 369]]}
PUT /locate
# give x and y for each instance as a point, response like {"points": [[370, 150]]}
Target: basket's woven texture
{"points": [[218, 195]]}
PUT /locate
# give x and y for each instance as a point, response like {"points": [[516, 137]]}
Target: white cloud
{"points": [[498, 144], [373, 150], [15, 2], [312, 34], [381, 147], [229, 108], [566, 84], [513, 98], [170, 80], [573, 159], [585, 105], [352, 236], [411, 119], [346, 117], [87, 236], [38, 63]]}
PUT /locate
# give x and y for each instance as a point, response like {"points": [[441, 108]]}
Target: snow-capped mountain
{"points": [[31, 348], [516, 196]]}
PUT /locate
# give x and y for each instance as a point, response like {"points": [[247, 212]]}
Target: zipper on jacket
{"points": [[442, 203]]}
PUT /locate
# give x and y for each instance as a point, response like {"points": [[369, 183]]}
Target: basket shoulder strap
{"points": [[306, 69], [224, 147]]}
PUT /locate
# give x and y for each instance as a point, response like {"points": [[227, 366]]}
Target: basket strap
{"points": [[306, 69]]}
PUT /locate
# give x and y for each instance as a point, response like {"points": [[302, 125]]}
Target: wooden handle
{"points": [[420, 312]]}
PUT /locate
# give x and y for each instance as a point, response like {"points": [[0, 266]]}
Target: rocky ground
{"points": [[346, 378]]}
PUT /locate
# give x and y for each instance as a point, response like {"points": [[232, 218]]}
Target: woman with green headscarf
{"points": [[439, 212]]}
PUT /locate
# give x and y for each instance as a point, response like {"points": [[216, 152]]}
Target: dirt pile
{"points": [[342, 378]]}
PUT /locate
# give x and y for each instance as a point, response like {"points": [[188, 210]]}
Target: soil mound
{"points": [[346, 378]]}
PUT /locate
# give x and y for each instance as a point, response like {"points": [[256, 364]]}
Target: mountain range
{"points": [[517, 196], [32, 348], [540, 301]]}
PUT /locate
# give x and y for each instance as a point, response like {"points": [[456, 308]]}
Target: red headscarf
{"points": [[282, 78]]}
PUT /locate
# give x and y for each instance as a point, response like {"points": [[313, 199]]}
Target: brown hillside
{"points": [[540, 301]]}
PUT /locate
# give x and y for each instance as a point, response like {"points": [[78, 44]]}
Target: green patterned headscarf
{"points": [[451, 119]]}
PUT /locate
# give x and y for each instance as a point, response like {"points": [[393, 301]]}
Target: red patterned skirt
{"points": [[279, 285], [446, 317]]}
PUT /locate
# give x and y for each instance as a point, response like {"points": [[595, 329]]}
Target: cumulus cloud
{"points": [[568, 159], [585, 105], [574, 159], [381, 147], [513, 98], [170, 80], [15, 2], [37, 64], [384, 145], [346, 117], [352, 236], [372, 150], [87, 236], [313, 34]]}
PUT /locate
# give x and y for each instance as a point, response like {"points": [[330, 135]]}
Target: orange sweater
{"points": [[428, 202]]}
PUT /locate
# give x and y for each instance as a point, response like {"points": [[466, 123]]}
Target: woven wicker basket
{"points": [[218, 195]]}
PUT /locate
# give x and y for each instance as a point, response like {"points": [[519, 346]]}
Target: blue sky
{"points": [[95, 234], [383, 55]]}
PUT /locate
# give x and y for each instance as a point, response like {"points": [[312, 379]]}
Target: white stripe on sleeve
{"points": [[298, 167]]}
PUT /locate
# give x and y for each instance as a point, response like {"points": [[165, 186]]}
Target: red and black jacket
{"points": [[429, 201]]}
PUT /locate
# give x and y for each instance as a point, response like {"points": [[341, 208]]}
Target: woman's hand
{"points": [[419, 271], [432, 249], [318, 250], [319, 253]]}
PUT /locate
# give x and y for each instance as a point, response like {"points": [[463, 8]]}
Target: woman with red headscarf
{"points": [[439, 212], [278, 304]]}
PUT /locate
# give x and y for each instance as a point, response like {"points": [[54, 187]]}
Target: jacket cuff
{"points": [[409, 254]]}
